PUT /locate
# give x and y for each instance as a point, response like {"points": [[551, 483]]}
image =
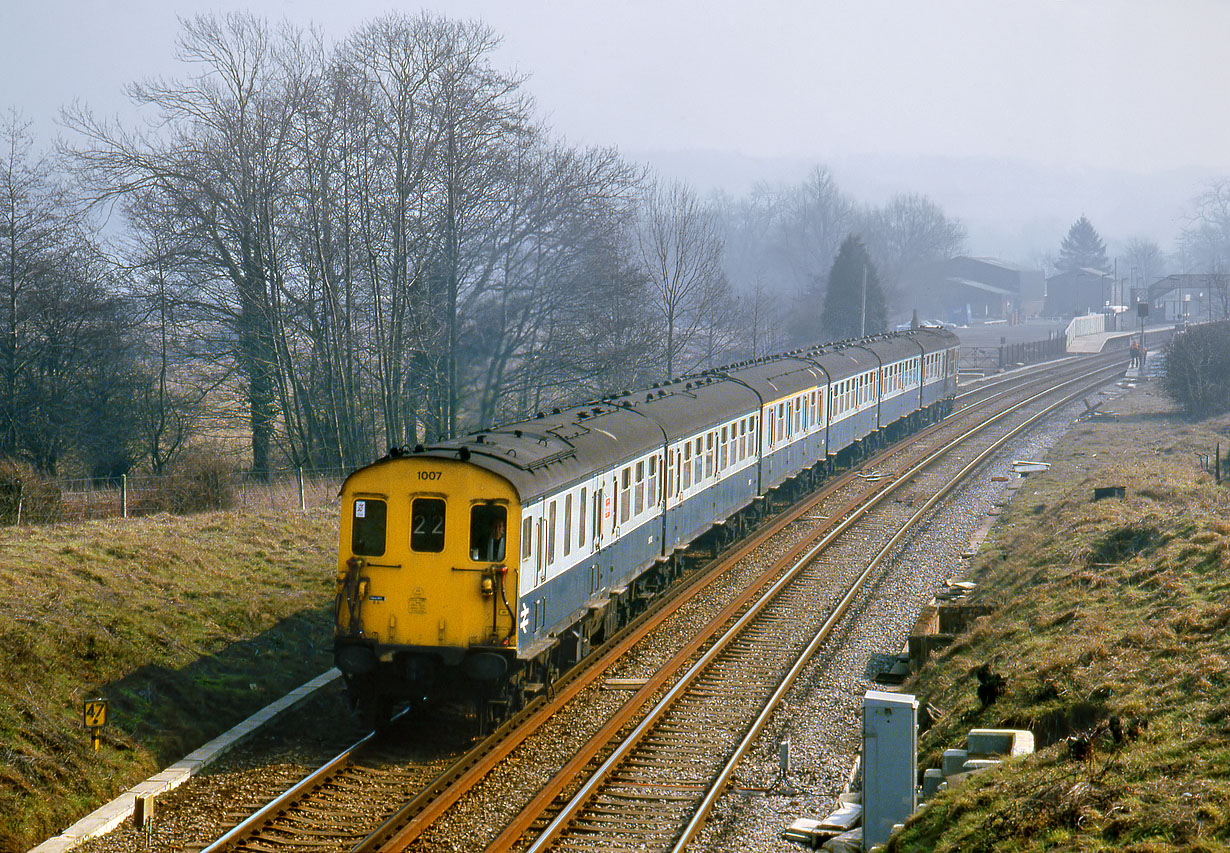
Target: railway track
{"points": [[675, 716], [655, 786]]}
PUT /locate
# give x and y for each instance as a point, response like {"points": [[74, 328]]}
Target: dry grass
{"points": [[1114, 608], [186, 625]]}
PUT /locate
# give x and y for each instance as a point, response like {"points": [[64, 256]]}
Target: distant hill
{"points": [[1012, 208]]}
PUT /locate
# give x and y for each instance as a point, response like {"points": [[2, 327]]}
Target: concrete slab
{"points": [[108, 817], [1000, 742]]}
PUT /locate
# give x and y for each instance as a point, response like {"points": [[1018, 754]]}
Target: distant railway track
{"points": [[559, 805]]}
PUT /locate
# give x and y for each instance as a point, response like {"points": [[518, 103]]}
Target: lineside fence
{"points": [[1006, 355], [128, 496]]}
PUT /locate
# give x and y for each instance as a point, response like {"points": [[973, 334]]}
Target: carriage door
{"points": [[540, 553], [597, 519]]}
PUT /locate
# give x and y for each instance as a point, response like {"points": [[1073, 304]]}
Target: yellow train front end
{"points": [[426, 581]]}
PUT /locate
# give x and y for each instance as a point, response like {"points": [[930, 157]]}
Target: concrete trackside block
{"points": [[953, 761], [1000, 742], [111, 815], [933, 777]]}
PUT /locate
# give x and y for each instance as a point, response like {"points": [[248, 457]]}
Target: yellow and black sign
{"points": [[95, 713]]}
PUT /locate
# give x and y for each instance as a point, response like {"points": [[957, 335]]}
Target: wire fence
{"points": [[137, 495]]}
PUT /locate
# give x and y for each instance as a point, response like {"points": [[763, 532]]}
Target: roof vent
{"points": [[418, 448], [540, 415], [517, 433], [464, 454], [480, 438], [582, 415], [649, 397], [555, 411], [687, 387]]}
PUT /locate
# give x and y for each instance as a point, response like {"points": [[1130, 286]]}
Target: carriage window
{"points": [[527, 529], [367, 531], [551, 534], [640, 487], [427, 524], [625, 496], [722, 457], [567, 525], [652, 486], [581, 520], [487, 532]]}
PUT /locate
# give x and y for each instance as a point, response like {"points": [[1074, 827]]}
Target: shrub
{"points": [[199, 481], [21, 485], [1198, 369]]}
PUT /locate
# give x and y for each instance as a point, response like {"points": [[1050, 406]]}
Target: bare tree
{"points": [[222, 166], [909, 231], [30, 219], [817, 217], [1205, 242], [680, 250], [1145, 261]]}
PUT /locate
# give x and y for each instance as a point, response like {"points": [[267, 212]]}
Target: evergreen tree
{"points": [[854, 302], [1082, 249]]}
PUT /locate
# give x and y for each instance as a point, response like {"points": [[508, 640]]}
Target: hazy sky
{"points": [[1136, 85]]}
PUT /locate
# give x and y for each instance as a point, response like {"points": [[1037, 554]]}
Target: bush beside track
{"points": [[1115, 608], [186, 625]]}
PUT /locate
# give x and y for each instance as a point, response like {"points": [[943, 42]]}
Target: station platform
{"points": [[1102, 341]]}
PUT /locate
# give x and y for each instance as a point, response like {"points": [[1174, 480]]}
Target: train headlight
{"points": [[488, 587]]}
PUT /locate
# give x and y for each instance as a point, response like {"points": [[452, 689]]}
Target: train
{"points": [[480, 568]]}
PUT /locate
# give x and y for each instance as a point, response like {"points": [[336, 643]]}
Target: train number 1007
{"points": [[430, 475]]}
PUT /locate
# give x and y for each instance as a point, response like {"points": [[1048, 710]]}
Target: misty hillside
{"points": [[1010, 207]]}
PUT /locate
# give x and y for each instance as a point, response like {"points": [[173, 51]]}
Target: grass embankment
{"points": [[186, 626], [1114, 608]]}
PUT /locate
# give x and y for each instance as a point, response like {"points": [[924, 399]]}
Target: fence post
{"points": [[302, 501], [124, 495], [21, 494]]}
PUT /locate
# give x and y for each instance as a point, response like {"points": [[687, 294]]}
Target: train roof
{"points": [[779, 377], [545, 454], [542, 455]]}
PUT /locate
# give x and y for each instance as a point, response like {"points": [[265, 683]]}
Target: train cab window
{"points": [[367, 529], [488, 527], [527, 538], [427, 525]]}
